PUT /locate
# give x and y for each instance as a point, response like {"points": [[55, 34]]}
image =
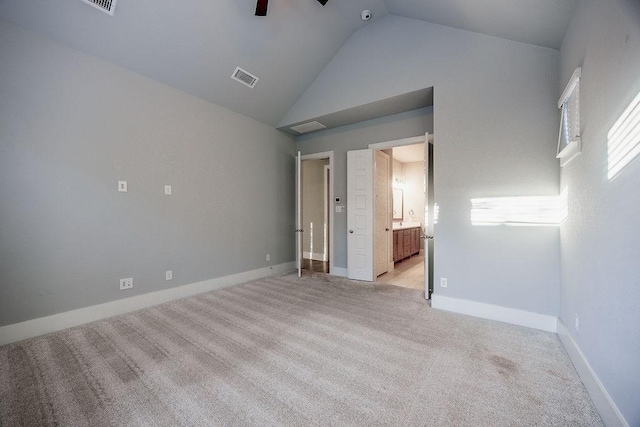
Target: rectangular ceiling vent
{"points": [[244, 77], [308, 127], [107, 6]]}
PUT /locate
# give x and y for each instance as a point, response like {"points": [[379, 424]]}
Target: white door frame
{"points": [[327, 155], [298, 214], [428, 229], [400, 142], [326, 182]]}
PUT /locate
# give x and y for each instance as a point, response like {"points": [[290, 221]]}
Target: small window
{"points": [[569, 144]]}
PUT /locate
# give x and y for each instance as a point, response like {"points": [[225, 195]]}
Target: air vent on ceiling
{"points": [[308, 127], [244, 77], [107, 6]]}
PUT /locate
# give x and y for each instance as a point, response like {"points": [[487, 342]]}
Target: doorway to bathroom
{"points": [[410, 242]]}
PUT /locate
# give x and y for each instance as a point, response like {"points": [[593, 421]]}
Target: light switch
{"points": [[122, 186], [167, 190]]}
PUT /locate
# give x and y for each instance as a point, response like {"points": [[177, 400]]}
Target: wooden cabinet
{"points": [[415, 241], [397, 245], [405, 243]]}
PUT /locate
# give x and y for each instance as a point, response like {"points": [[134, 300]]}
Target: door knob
{"points": [[351, 231], [386, 229]]}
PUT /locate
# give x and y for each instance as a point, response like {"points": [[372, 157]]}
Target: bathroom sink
{"points": [[405, 224]]}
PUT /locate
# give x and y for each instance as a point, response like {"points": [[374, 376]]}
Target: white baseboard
{"points": [[514, 316], [314, 256], [606, 407], [338, 271], [68, 319]]}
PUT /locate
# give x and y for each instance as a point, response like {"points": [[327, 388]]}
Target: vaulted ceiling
{"points": [[196, 45]]}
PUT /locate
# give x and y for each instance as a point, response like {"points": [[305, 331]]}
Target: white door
{"points": [[427, 230], [381, 214], [360, 214], [298, 216]]}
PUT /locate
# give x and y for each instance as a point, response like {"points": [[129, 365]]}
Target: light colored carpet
{"points": [[289, 351]]}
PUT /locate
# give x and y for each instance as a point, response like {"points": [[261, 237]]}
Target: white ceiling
{"points": [[195, 45], [538, 22], [394, 105]]}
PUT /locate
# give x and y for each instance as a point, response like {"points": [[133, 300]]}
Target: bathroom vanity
{"points": [[406, 240]]}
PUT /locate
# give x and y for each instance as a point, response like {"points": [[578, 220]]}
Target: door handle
{"points": [[351, 231], [386, 229]]}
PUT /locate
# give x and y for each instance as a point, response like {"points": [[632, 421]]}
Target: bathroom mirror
{"points": [[397, 203]]}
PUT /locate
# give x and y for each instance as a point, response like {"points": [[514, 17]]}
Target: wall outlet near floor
{"points": [[167, 190], [577, 323], [268, 257], [168, 274], [126, 283], [443, 282]]}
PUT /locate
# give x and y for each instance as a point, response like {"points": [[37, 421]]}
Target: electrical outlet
{"points": [[167, 190], [268, 257], [168, 274], [122, 186], [443, 282], [577, 323], [126, 283]]}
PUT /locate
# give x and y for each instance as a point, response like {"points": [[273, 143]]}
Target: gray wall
{"points": [[354, 137], [313, 204], [600, 242], [71, 126], [496, 124]]}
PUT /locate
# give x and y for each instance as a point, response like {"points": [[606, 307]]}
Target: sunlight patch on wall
{"points": [[520, 211], [623, 140]]}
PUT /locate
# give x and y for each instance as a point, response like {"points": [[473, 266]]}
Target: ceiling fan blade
{"points": [[261, 7]]}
